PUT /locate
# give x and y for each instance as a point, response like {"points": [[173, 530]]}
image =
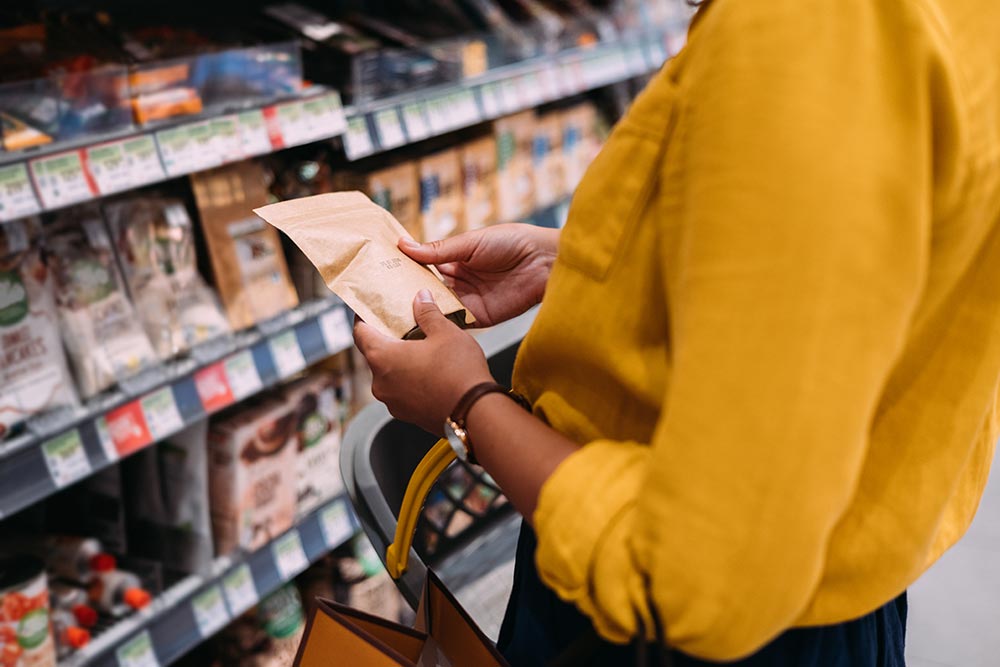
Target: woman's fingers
{"points": [[454, 249]]}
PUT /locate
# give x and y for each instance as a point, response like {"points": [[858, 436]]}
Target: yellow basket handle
{"points": [[397, 556]]}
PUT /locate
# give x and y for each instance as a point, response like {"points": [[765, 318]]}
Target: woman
{"points": [[764, 372]]}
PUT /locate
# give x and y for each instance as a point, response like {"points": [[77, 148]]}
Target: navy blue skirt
{"points": [[539, 628]]}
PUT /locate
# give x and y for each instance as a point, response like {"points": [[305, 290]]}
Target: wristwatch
{"points": [[454, 426]]}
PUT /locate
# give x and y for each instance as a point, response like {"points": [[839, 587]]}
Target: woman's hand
{"points": [[498, 272], [421, 381]]}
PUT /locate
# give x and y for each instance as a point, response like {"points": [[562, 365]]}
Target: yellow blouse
{"points": [[774, 323]]}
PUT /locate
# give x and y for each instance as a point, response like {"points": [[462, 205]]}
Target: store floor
{"points": [[955, 607]]}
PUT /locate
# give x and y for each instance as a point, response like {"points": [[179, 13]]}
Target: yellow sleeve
{"points": [[806, 172]]}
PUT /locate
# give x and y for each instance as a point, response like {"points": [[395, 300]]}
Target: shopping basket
{"points": [[466, 531]]}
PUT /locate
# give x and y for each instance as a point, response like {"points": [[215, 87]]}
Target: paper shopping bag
{"points": [[445, 636]]}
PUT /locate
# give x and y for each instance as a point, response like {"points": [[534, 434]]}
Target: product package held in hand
{"points": [[353, 243]]}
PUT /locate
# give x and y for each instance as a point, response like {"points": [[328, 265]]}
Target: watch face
{"points": [[454, 435]]}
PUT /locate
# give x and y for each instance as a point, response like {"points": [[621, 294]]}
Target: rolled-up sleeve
{"points": [[806, 177]]}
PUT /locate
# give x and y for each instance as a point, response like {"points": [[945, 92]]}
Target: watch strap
{"points": [[461, 413]]}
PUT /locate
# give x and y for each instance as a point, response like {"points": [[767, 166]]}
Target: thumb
{"points": [[454, 249], [429, 317]]}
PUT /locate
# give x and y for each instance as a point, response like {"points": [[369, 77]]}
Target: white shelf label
{"points": [[210, 612], [161, 413], [254, 137], [336, 524], [415, 119], [357, 139], [17, 197], [137, 652], [492, 101], [389, 128], [123, 165], [104, 437], [636, 59], [572, 77], [241, 593], [337, 333], [187, 149], [294, 125], [531, 89], [289, 555], [324, 116], [61, 179], [511, 96], [226, 138], [437, 115], [288, 359], [241, 372], [548, 81], [465, 111], [66, 458]]}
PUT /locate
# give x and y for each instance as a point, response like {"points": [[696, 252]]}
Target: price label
{"points": [[137, 652], [241, 593], [104, 437], [242, 375], [213, 387], [531, 89], [572, 77], [66, 458], [437, 115], [161, 413], [548, 81], [415, 119], [210, 612], [511, 96], [357, 140], [336, 524], [288, 554], [287, 354], [226, 138], [107, 165], [389, 129], [337, 333], [636, 59], [17, 197], [465, 108], [324, 116], [142, 159], [61, 179], [294, 125], [127, 428], [490, 96], [254, 137], [619, 64], [187, 149]]}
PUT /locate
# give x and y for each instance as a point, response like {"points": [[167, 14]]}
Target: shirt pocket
{"points": [[616, 188]]}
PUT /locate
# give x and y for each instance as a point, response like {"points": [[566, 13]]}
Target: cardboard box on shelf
{"points": [[441, 208], [515, 182], [479, 182], [316, 431], [548, 161], [397, 190], [247, 260], [252, 475]]}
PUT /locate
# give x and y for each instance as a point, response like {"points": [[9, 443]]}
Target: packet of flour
{"points": [[352, 241]]}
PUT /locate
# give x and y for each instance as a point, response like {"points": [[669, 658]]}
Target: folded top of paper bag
{"points": [[352, 241]]}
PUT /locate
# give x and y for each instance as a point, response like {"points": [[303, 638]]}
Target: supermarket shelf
{"points": [[199, 606], [66, 174], [64, 448], [404, 119]]}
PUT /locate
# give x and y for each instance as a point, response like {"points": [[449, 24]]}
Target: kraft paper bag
{"points": [[352, 241], [445, 636]]}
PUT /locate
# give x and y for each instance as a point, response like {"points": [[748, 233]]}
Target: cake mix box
{"points": [[252, 475], [515, 181], [316, 404], [441, 209], [548, 161], [479, 182]]}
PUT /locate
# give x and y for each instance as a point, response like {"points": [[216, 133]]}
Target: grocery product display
{"points": [[191, 215]]}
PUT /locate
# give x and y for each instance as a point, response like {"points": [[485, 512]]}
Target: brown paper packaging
{"points": [[352, 241]]}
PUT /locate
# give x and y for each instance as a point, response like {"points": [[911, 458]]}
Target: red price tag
{"points": [[127, 428], [273, 123], [213, 387]]}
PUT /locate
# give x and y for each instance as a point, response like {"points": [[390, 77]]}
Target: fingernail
{"points": [[424, 296], [409, 243]]}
